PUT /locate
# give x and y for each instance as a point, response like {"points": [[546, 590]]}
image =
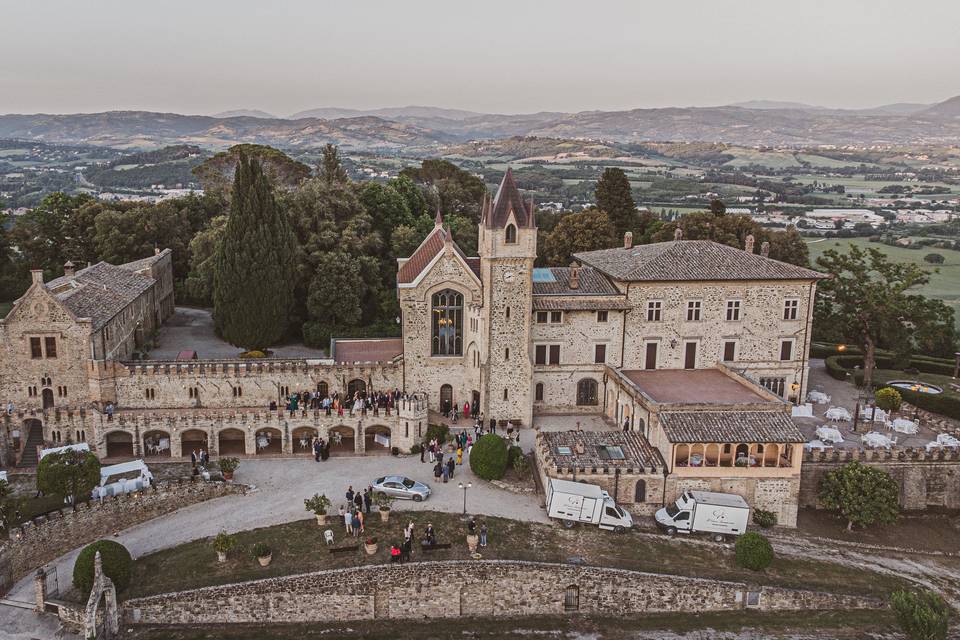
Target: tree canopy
{"points": [[583, 231], [615, 198], [863, 495], [71, 474], [216, 174]]}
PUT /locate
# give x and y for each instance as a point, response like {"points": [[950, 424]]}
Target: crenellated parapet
{"points": [[896, 454]]}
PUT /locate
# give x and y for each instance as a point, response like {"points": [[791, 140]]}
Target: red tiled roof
{"points": [[366, 349], [427, 251]]}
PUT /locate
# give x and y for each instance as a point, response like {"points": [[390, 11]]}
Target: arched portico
{"points": [[303, 440], [193, 440], [119, 444], [268, 440], [157, 444], [342, 440], [232, 442], [377, 439]]}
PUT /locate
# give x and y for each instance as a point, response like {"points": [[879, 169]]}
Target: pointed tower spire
{"points": [[438, 219]]}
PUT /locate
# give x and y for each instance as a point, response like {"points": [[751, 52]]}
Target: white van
{"points": [[125, 477], [574, 502], [719, 514]]}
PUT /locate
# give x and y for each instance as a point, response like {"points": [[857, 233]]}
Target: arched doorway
{"points": [[356, 386], [377, 440], [323, 389], [119, 444], [156, 443], [640, 491], [193, 440], [342, 441], [47, 398], [587, 392], [446, 398], [303, 440], [232, 442], [268, 440]]}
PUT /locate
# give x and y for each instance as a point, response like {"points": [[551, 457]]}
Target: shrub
{"points": [[317, 504], [521, 466], [261, 550], [253, 354], [488, 459], [117, 565], [439, 431], [764, 518], [224, 542], [922, 615], [753, 551], [228, 465], [934, 258], [513, 453], [416, 448], [383, 501], [888, 399]]}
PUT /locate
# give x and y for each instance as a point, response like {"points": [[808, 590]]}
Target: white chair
{"points": [[328, 537]]}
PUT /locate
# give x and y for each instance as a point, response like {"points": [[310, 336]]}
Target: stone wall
{"points": [[925, 479], [36, 543], [778, 495], [431, 590]]}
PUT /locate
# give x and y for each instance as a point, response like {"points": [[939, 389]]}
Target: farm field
{"points": [[944, 285]]}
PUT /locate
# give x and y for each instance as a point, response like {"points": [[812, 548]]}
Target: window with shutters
{"points": [[790, 308], [654, 309], [693, 310], [729, 351], [786, 349], [554, 354], [600, 353]]}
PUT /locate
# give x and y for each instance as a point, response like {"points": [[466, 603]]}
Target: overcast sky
{"points": [[283, 56]]}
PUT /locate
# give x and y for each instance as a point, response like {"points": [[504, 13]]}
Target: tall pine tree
{"points": [[254, 269], [615, 199]]}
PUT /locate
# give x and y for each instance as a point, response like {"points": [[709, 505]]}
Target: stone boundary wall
{"points": [[926, 479], [33, 544], [430, 590]]}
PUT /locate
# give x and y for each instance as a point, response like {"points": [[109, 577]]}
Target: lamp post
{"points": [[956, 364], [464, 488]]}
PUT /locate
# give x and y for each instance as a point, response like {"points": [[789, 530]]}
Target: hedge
{"points": [[488, 458], [117, 565]]}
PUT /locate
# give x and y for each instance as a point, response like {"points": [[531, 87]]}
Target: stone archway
{"points": [[232, 441], [119, 444], [376, 440], [342, 440], [357, 385], [193, 440], [103, 593], [446, 398], [156, 443], [303, 440], [268, 440], [47, 398]]}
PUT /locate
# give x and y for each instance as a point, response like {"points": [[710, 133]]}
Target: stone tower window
{"points": [[506, 353], [587, 392], [539, 392], [510, 236], [505, 394], [571, 598], [447, 323]]}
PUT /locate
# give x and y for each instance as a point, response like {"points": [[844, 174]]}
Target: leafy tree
{"points": [[7, 506], [336, 293], [488, 458], [405, 240], [216, 174], [41, 233], [717, 207], [446, 185], [788, 246], [254, 272], [386, 207], [862, 494], [464, 232], [584, 231], [330, 169], [867, 301], [923, 615], [753, 551], [934, 258], [198, 286], [116, 561], [71, 474], [411, 194], [888, 399], [615, 198]]}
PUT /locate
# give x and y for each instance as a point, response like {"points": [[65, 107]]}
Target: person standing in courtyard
{"points": [[367, 499], [450, 466], [361, 519], [349, 495], [483, 534], [422, 448], [459, 455], [345, 515], [358, 501], [355, 524]]}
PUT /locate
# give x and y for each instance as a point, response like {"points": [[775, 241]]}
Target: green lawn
{"points": [[824, 624], [944, 285], [5, 308], [298, 547]]}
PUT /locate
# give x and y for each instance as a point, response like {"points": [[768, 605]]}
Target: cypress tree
{"points": [[254, 268], [615, 199]]}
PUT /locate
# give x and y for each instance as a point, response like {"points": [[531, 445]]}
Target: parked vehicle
{"points": [[125, 477], [718, 514], [574, 502], [402, 487]]}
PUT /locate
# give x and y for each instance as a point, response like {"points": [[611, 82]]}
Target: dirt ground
{"points": [[929, 532]]}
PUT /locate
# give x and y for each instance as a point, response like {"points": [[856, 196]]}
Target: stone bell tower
{"points": [[508, 248]]}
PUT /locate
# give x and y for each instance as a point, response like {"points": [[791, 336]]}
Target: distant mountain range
{"points": [[427, 128]]}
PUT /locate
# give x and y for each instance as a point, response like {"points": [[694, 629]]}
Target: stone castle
{"points": [[694, 350]]}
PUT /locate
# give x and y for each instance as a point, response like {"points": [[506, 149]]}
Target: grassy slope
{"points": [[298, 548]]}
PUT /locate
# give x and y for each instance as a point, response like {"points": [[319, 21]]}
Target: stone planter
{"points": [[321, 519], [371, 549], [265, 560], [384, 515], [221, 556], [228, 476], [472, 543]]}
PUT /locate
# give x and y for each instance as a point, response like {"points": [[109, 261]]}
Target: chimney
{"points": [[580, 448], [68, 269], [628, 239], [36, 275], [678, 234], [156, 251], [748, 245], [575, 275], [765, 249]]}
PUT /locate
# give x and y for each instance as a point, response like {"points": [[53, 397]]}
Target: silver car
{"points": [[401, 487]]}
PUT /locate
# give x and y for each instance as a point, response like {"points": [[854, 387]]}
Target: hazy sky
{"points": [[282, 56]]}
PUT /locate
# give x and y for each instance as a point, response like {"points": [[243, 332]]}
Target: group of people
{"points": [[355, 512], [453, 413], [360, 403]]}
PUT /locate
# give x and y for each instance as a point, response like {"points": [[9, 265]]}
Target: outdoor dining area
{"points": [[944, 441], [870, 427]]}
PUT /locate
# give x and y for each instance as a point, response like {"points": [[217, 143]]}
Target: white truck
{"points": [[718, 514], [574, 502]]}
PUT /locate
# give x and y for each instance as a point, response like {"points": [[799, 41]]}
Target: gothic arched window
{"points": [[587, 392], [510, 236], [447, 322]]}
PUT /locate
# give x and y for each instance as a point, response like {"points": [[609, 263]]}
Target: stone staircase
{"points": [[34, 439]]}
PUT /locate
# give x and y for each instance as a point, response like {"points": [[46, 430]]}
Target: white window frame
{"points": [[793, 349], [791, 309], [697, 306], [734, 304], [723, 349], [655, 309]]}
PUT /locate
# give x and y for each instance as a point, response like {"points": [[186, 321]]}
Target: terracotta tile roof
{"points": [[729, 426], [99, 292], [431, 246], [366, 349], [591, 283], [496, 213], [145, 263], [691, 260], [554, 303], [692, 386], [638, 454]]}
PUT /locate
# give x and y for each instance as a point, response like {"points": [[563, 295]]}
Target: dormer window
{"points": [[510, 237]]}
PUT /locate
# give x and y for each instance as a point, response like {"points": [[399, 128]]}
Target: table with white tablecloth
{"points": [[829, 434], [818, 397], [816, 445], [902, 425], [876, 440], [838, 414]]}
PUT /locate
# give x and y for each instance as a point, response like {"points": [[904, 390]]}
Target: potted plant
{"points": [[223, 543], [370, 546], [228, 466], [383, 502], [262, 553], [318, 504]]}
